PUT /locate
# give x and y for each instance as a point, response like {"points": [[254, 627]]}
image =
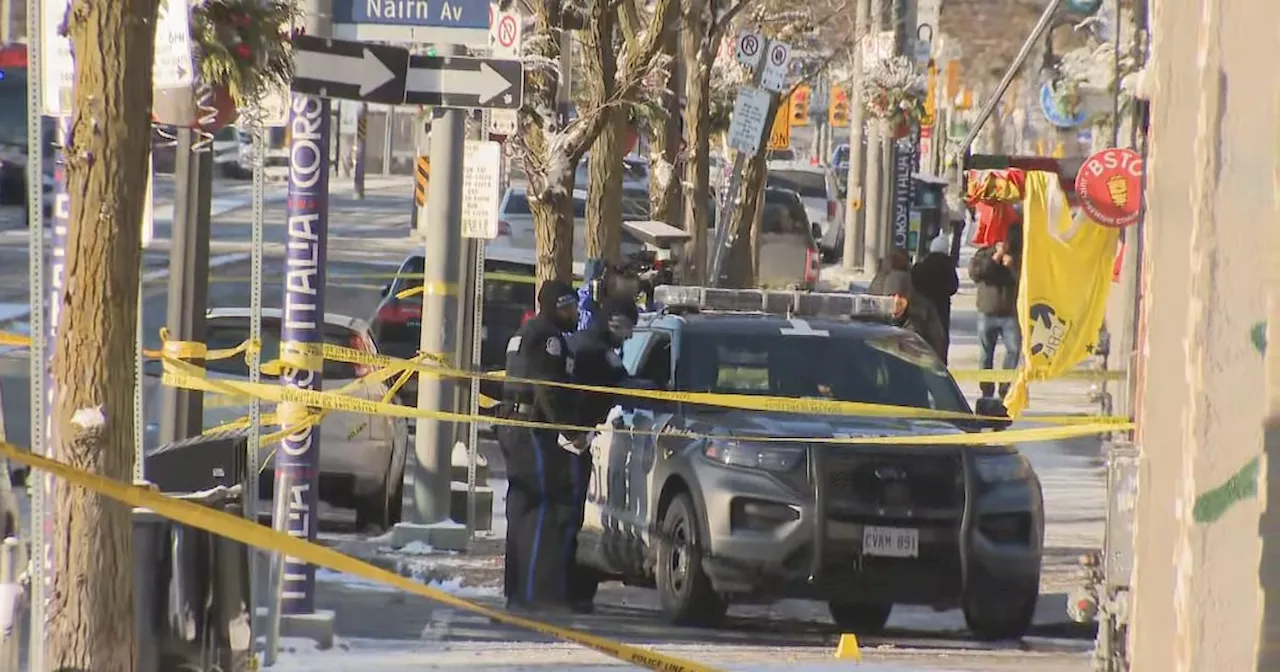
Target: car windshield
{"points": [[518, 204], [894, 368], [842, 155], [807, 183], [231, 332]]}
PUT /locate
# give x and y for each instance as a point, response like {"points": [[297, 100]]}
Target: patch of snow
{"points": [[416, 548], [89, 418]]}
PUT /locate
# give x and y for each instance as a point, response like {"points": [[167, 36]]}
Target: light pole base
{"points": [[317, 627], [443, 536]]}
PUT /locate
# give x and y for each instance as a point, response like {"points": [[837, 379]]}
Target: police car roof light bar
{"points": [[834, 305]]}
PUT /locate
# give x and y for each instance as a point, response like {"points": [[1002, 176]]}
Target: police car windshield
{"points": [[895, 369]]}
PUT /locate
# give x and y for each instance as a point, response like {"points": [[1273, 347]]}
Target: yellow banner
{"points": [[780, 132], [1065, 278]]}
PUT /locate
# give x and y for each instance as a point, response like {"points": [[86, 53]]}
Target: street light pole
{"points": [[855, 226]]}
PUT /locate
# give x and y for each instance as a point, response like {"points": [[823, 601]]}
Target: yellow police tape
{"points": [[246, 532], [184, 375]]}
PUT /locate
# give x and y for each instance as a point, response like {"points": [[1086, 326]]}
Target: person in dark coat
{"points": [[543, 467], [913, 312], [896, 261], [934, 278], [596, 362]]}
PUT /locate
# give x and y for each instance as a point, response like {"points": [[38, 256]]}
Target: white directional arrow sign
{"points": [[365, 71], [350, 70], [492, 83]]}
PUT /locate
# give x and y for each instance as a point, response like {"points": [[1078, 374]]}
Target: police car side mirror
{"points": [[386, 289]]}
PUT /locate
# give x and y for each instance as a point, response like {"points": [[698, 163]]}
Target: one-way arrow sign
{"points": [[328, 68], [491, 83]]}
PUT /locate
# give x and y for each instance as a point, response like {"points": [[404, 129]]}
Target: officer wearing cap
{"points": [[596, 362], [541, 463]]}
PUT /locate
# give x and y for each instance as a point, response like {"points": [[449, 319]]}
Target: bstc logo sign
{"points": [[1110, 187]]}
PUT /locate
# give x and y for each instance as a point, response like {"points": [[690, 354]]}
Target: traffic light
{"points": [[838, 116], [800, 106]]}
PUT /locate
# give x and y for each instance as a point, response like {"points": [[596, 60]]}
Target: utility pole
{"points": [[181, 414], [441, 313], [855, 226], [565, 92], [874, 226]]}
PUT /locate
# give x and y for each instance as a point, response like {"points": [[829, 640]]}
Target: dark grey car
{"points": [[710, 521]]}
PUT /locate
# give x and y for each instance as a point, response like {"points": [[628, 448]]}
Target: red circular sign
{"points": [[507, 31], [1109, 185]]}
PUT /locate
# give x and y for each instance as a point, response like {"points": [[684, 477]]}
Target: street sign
{"points": [[480, 174], [780, 132], [750, 48], [494, 83], [352, 70], [173, 65], [464, 22], [777, 67], [504, 42], [750, 113]]}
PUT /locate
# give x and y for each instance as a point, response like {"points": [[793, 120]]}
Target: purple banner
{"points": [[298, 460], [53, 311]]}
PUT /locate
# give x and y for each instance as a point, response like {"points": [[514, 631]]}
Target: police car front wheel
{"points": [[685, 591]]}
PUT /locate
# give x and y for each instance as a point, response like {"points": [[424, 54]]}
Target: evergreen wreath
{"points": [[894, 91], [243, 45]]}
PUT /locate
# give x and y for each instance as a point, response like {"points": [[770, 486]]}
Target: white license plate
{"points": [[891, 542]]}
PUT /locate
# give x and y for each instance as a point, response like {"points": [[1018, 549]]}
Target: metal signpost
{"points": [[334, 68], [480, 198], [747, 127]]}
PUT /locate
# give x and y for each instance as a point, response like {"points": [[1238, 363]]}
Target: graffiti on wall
{"points": [[1243, 484]]}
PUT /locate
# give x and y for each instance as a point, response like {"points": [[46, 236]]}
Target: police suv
{"points": [[682, 499]]}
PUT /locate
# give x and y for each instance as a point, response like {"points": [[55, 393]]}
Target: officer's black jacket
{"points": [[545, 355], [595, 363]]}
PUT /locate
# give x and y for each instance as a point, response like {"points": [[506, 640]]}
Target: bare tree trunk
{"points": [[543, 166], [695, 53], [91, 618], [664, 153], [604, 189]]}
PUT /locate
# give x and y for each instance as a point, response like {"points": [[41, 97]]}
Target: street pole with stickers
{"points": [[769, 61]]}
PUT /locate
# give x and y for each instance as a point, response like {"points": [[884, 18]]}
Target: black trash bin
{"points": [[191, 587]]}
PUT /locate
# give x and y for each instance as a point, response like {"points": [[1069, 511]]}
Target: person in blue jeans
{"points": [[995, 270]]}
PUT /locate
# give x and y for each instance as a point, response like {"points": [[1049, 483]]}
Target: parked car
{"points": [[362, 457], [509, 299], [789, 256], [515, 222], [816, 186], [228, 144]]}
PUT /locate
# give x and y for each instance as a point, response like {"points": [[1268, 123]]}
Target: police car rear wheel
{"points": [[684, 590], [860, 618]]}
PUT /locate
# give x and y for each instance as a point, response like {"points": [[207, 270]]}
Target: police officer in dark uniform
{"points": [[542, 464], [596, 362]]}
